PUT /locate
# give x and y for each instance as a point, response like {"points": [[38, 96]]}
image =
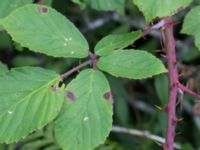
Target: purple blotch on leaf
{"points": [[53, 88], [107, 95], [71, 96], [43, 9]]}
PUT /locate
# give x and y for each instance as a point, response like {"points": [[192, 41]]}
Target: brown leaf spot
{"points": [[71, 96]]}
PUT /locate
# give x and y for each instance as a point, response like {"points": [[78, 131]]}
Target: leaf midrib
{"points": [[86, 106]]}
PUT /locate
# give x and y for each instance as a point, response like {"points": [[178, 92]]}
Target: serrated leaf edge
{"points": [[39, 127], [164, 68]]}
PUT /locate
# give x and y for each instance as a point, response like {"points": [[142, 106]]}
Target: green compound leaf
{"points": [[29, 99], [191, 25], [43, 29], [160, 8], [116, 41], [133, 64], [7, 6], [86, 119], [104, 5], [3, 69]]}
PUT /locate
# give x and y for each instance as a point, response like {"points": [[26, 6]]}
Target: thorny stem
{"points": [[144, 134], [169, 43], [166, 25], [68, 73], [187, 90], [154, 27]]}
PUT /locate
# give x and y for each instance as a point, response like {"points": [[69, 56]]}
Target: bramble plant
{"points": [[82, 110]]}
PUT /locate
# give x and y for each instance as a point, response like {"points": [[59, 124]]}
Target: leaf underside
{"points": [[160, 8]]}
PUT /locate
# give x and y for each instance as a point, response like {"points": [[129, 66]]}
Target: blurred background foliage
{"points": [[136, 102]]}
